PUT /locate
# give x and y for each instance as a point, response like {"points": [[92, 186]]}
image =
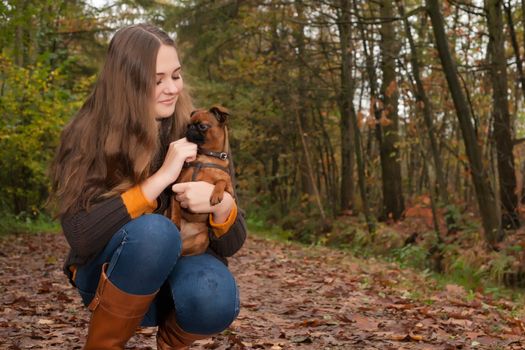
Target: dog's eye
{"points": [[202, 127]]}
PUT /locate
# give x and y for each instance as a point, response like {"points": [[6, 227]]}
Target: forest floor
{"points": [[291, 296]]}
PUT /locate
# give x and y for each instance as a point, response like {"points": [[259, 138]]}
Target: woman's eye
{"points": [[175, 77], [159, 81]]}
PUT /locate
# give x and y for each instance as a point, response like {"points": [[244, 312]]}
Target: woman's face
{"points": [[169, 81]]}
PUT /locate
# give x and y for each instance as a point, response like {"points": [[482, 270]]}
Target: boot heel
{"points": [[171, 337]]}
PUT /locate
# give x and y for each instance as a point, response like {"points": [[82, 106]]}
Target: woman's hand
{"points": [[195, 196], [179, 151]]}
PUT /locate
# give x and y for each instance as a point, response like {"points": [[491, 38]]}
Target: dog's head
{"points": [[206, 128]]}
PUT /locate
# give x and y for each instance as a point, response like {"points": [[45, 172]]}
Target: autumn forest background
{"points": [[388, 128]]}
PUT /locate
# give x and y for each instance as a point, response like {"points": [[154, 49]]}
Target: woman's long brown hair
{"points": [[114, 140]]}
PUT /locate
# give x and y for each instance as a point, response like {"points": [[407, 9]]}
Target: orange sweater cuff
{"points": [[136, 203], [220, 229]]}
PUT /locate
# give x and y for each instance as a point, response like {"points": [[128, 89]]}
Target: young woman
{"points": [[111, 180]]}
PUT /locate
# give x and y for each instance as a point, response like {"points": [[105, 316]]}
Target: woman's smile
{"points": [[168, 102]]}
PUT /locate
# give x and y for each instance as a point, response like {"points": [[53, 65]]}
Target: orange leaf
{"points": [[415, 336], [391, 88], [360, 118], [371, 122], [384, 121]]}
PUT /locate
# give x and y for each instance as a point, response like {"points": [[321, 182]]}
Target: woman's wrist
{"points": [[153, 186]]}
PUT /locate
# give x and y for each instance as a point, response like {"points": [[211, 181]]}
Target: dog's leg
{"points": [[176, 214], [218, 192]]}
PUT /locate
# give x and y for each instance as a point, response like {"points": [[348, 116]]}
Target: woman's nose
{"points": [[171, 87]]}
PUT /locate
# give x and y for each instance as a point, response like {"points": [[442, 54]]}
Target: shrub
{"points": [[34, 106]]}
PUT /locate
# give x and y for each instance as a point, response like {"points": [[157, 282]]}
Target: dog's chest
{"points": [[206, 169]]}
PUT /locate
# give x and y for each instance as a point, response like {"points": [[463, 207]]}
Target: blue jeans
{"points": [[144, 256]]}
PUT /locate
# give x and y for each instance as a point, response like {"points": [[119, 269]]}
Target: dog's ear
{"points": [[192, 113], [220, 113]]}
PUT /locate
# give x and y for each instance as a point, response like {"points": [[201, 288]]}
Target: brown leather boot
{"points": [[116, 315], [171, 337]]}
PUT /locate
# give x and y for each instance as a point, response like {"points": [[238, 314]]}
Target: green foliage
{"points": [[346, 237], [24, 223], [452, 216], [34, 105], [300, 222], [259, 226], [465, 274], [463, 260], [304, 220], [349, 234], [411, 255], [499, 265], [48, 49]]}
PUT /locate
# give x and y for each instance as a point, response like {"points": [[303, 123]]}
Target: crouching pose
{"points": [[112, 178]]}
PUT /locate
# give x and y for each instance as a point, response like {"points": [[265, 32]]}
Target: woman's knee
{"points": [[205, 294], [153, 235], [147, 253]]}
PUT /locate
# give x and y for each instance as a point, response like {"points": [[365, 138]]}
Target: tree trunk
{"points": [[423, 101], [485, 196], [519, 66], [515, 47], [345, 106], [307, 185], [501, 115], [349, 125], [393, 203], [310, 172], [332, 173]]}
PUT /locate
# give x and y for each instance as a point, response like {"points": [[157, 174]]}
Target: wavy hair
{"points": [[114, 141]]}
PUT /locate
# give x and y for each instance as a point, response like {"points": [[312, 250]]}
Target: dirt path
{"points": [[292, 297]]}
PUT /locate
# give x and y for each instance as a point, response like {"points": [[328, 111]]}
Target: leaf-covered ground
{"points": [[292, 297]]}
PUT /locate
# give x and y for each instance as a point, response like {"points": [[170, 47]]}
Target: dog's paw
{"points": [[215, 199]]}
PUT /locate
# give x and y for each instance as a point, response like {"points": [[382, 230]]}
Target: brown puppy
{"points": [[207, 129]]}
